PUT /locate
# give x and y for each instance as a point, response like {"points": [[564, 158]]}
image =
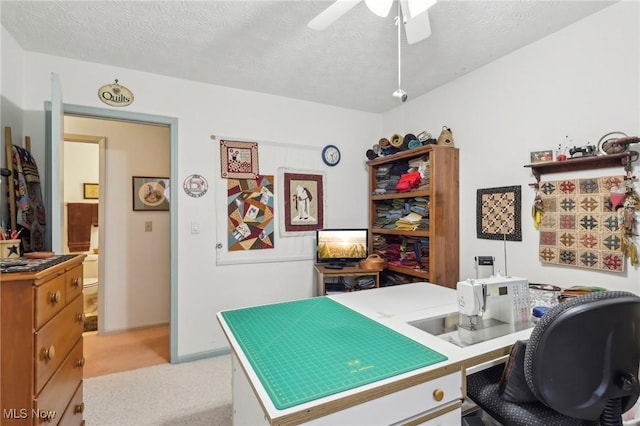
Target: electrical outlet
{"points": [[148, 226]]}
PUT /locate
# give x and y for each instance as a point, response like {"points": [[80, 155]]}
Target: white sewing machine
{"points": [[486, 302]]}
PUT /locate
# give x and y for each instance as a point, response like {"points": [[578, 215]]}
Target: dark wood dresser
{"points": [[41, 354]]}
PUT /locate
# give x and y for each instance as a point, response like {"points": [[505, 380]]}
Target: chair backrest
{"points": [[585, 352]]}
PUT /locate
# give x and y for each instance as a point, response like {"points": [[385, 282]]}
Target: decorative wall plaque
{"points": [[115, 95], [195, 186]]}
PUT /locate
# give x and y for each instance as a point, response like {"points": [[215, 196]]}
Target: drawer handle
{"points": [[56, 297], [49, 353], [80, 362], [80, 317], [75, 282], [79, 408], [438, 394]]}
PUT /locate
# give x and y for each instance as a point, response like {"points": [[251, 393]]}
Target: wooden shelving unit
{"points": [[443, 231]]}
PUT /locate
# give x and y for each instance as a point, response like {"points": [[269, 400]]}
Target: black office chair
{"points": [[581, 365]]}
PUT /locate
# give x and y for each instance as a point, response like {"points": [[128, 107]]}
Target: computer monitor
{"points": [[341, 246]]}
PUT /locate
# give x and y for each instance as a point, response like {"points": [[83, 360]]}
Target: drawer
{"points": [[55, 339], [73, 279], [50, 299], [73, 414], [55, 396], [412, 405]]}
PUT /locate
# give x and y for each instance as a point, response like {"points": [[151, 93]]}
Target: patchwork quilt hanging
{"points": [[579, 226], [250, 207], [498, 213]]}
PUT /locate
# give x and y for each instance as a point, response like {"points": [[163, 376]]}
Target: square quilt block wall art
{"points": [[499, 213], [579, 226]]}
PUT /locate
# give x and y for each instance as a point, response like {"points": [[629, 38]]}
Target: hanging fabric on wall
{"points": [[30, 206], [579, 226], [250, 208]]}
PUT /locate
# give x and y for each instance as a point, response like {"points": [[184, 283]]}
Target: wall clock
{"points": [[331, 155]]}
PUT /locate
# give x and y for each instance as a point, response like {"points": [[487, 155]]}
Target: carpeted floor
{"points": [[196, 393]]}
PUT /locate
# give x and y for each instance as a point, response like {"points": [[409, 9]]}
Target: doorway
{"points": [[122, 189]]}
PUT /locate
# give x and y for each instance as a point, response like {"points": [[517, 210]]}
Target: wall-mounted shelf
{"points": [[623, 159]]}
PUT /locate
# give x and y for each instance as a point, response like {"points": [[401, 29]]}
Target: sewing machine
{"points": [[583, 151], [492, 301]]}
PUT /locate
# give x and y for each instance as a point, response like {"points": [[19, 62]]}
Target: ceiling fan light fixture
{"points": [[380, 8], [400, 94]]}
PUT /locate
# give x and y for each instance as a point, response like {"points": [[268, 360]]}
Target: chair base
{"points": [[482, 388]]}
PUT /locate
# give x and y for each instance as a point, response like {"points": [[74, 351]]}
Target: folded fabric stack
{"points": [[421, 165], [409, 222], [365, 282], [408, 258], [405, 214], [421, 249], [405, 251], [388, 278]]}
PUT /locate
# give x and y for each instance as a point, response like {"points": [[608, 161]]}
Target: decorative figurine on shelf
{"points": [[583, 151], [561, 154], [446, 137]]}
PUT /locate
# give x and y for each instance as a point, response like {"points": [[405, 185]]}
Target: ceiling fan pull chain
{"points": [[399, 24]]}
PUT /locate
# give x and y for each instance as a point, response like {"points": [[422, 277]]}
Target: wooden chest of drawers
{"points": [[41, 355]]}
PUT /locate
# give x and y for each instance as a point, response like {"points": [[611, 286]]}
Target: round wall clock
{"points": [[331, 155]]}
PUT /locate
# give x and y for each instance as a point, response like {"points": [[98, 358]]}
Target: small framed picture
{"points": [[91, 191], [542, 156], [150, 193]]}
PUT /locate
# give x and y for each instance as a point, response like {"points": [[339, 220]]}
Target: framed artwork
{"points": [[499, 213], [238, 160], [302, 202], [91, 191], [150, 193], [541, 156]]}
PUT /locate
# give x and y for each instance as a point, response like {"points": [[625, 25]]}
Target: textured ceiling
{"points": [[265, 46]]}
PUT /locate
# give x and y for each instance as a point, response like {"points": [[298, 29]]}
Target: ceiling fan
{"points": [[414, 13]]}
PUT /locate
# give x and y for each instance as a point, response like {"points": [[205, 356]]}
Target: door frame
{"points": [[142, 118]]}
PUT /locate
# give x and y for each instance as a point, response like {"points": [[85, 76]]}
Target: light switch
{"points": [[148, 226], [195, 227]]}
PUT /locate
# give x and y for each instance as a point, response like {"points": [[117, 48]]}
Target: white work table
{"points": [[430, 395]]}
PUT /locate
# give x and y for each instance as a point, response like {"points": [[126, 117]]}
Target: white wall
{"points": [[135, 264], [583, 81], [81, 165], [10, 104], [203, 110]]}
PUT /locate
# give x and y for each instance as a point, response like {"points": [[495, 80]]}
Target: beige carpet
{"points": [[196, 393], [111, 353]]}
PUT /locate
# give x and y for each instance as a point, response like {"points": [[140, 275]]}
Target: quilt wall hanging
{"points": [[250, 204], [238, 159], [579, 225], [499, 213]]}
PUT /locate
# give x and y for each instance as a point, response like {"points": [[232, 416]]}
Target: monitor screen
{"points": [[341, 246]]}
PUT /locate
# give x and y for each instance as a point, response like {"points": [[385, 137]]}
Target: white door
{"points": [[54, 153]]}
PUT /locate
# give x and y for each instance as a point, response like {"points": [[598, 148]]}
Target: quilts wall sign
{"points": [[115, 95]]}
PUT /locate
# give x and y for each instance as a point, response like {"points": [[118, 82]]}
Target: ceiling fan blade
{"points": [[332, 14], [418, 28], [416, 7], [380, 8]]}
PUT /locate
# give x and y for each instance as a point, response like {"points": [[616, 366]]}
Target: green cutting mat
{"points": [[311, 348]]}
